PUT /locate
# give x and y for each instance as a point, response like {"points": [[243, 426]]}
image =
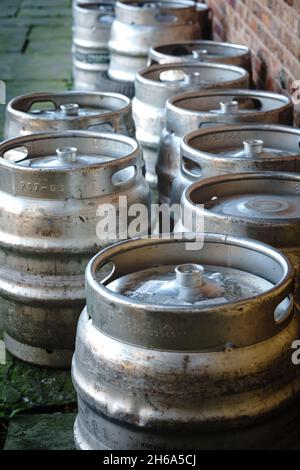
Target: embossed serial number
{"points": [[35, 187]]}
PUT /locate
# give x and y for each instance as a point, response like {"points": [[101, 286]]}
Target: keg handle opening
{"points": [[124, 177], [229, 107], [253, 148], [173, 76], [191, 168], [284, 310], [104, 273], [69, 109], [16, 155], [44, 105], [107, 17], [101, 127]]}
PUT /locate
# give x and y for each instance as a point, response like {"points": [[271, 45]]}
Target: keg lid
{"points": [[70, 164], [190, 284], [151, 12], [65, 157], [101, 6], [229, 102], [197, 50], [253, 142], [68, 105], [160, 293], [155, 84], [264, 206], [254, 148], [191, 74], [208, 108]]}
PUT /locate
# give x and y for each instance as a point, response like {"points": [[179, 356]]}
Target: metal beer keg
{"points": [[139, 25], [202, 51], [71, 110], [180, 349], [91, 31], [197, 110], [156, 84], [52, 188], [236, 149]]}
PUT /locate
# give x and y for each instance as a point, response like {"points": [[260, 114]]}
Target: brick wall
{"points": [[271, 28]]}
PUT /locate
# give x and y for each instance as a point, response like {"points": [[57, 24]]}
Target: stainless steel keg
{"points": [[52, 189], [91, 31], [139, 25], [39, 112], [156, 84], [181, 349], [263, 206], [236, 149], [191, 111], [202, 51]]}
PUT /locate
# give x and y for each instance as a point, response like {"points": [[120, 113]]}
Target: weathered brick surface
{"points": [[271, 28]]}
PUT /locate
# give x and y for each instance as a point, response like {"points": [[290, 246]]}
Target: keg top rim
{"points": [[107, 255], [143, 75], [196, 144], [86, 6], [20, 105], [136, 5], [177, 103], [134, 322], [163, 49], [57, 140], [199, 195]]}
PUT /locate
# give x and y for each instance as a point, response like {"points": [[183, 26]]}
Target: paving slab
{"points": [[22, 21], [46, 3], [35, 66], [63, 45], [41, 432], [44, 12], [43, 32], [12, 39], [8, 62], [27, 387], [20, 87], [8, 10]]}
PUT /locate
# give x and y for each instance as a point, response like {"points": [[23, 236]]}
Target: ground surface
{"points": [[35, 46], [35, 55]]}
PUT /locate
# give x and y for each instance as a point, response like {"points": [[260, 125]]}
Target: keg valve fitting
{"points": [[67, 154], [199, 54], [253, 147], [70, 109], [229, 107]]}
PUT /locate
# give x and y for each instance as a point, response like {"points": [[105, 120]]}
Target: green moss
{"points": [[41, 432], [24, 386]]}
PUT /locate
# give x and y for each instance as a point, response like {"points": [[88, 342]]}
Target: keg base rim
{"points": [[56, 358]]}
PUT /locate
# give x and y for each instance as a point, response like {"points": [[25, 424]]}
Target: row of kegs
{"points": [[185, 341]]}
